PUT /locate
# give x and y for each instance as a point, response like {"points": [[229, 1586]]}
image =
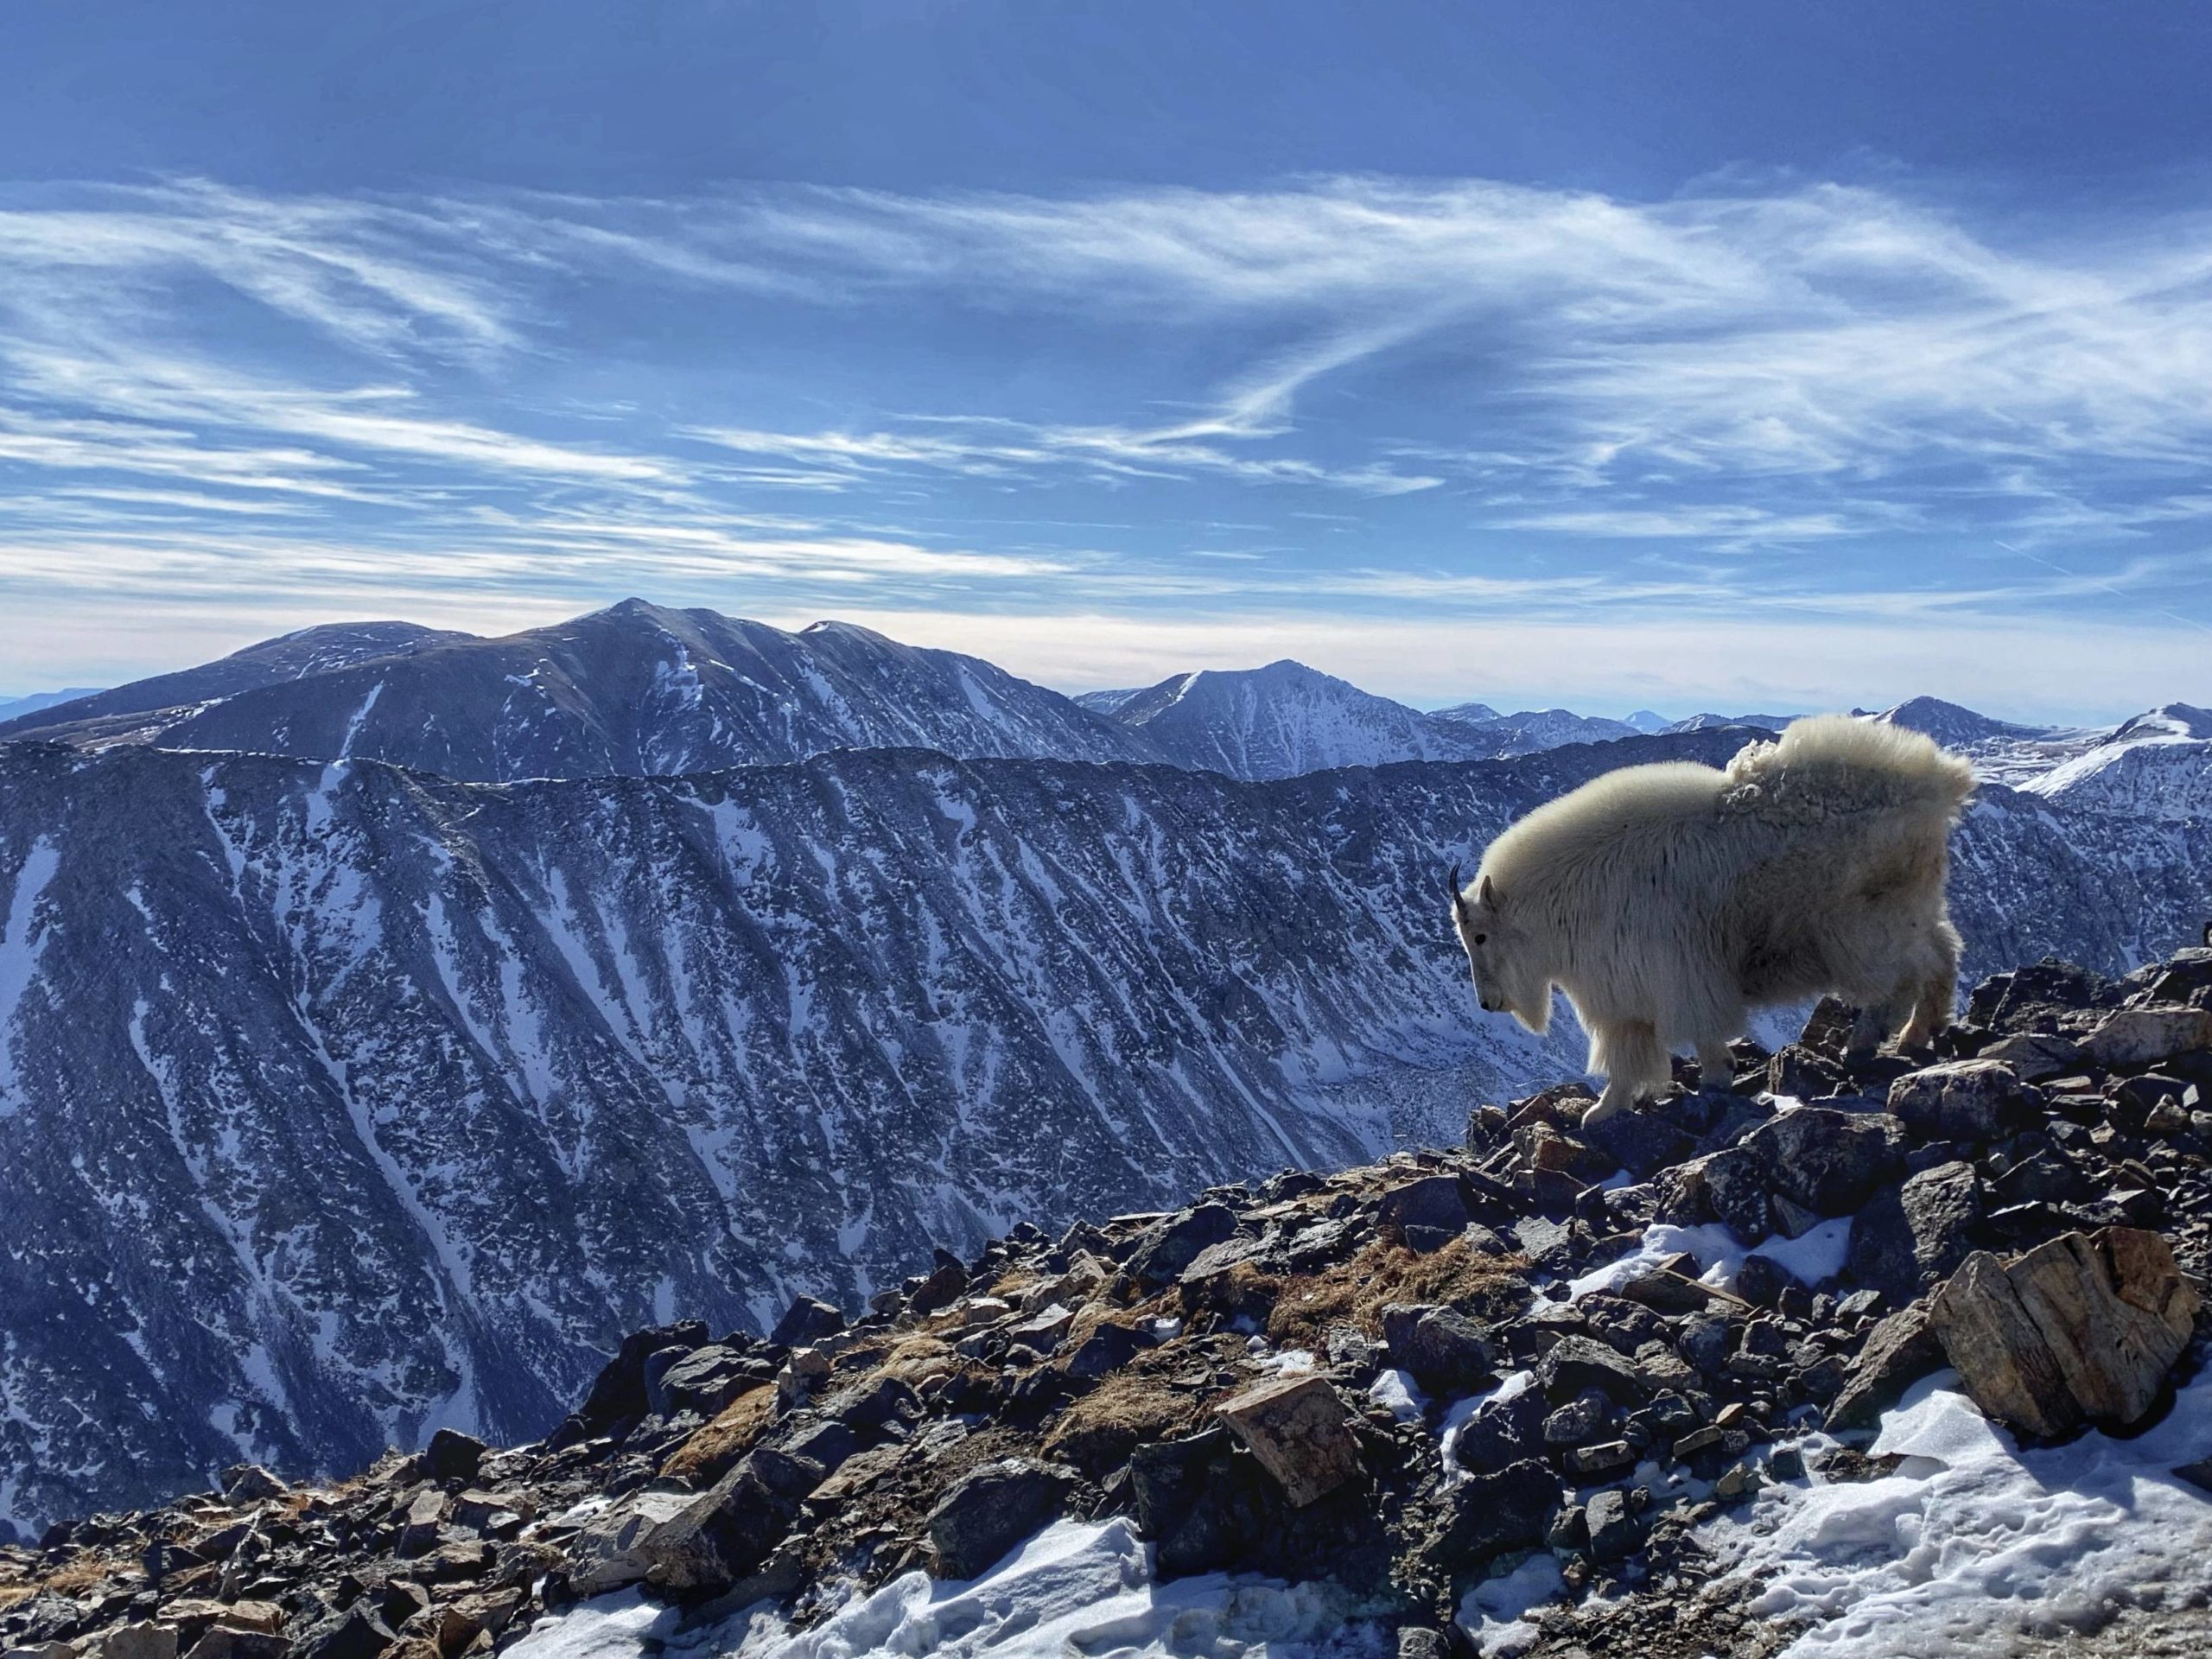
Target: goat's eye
{"points": [[1481, 938]]}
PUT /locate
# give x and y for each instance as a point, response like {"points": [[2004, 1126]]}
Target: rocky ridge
{"points": [[1264, 1380]]}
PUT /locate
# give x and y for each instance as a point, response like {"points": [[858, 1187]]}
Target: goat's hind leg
{"points": [[1937, 993]]}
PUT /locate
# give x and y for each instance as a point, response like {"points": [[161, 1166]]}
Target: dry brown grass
{"points": [[1098, 1431], [707, 1453], [1354, 1292]]}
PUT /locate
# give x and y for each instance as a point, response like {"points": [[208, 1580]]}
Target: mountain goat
{"points": [[1666, 901]]}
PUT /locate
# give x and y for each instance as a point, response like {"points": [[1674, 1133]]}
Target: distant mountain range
{"points": [[694, 991]]}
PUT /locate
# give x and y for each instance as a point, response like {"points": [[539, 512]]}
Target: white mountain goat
{"points": [[1667, 900]]}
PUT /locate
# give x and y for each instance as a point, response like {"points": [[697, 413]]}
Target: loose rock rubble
{"points": [[1266, 1381]]}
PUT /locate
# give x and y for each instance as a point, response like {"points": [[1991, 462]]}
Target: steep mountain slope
{"points": [[339, 1101], [2157, 765], [639, 690], [15, 707], [1285, 719], [143, 709]]}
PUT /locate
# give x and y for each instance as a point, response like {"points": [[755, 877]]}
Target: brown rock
{"points": [[1300, 1430], [2080, 1328], [1899, 1351]]}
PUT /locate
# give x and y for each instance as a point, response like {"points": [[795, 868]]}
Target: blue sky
{"points": [[1684, 355]]}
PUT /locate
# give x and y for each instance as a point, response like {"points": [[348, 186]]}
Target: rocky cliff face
{"points": [[340, 1102]]}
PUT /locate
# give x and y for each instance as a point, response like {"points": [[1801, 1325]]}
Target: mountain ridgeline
{"points": [[342, 1099]]}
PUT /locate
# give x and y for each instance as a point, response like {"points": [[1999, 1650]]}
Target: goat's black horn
{"points": [[1455, 882]]}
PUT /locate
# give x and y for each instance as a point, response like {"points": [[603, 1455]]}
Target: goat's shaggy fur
{"points": [[1668, 901]]}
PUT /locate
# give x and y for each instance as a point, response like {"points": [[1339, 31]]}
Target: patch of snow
{"points": [[1495, 1612], [1395, 1391], [1072, 1589], [1974, 1543], [1818, 1254]]}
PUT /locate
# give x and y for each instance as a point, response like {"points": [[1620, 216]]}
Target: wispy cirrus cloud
{"points": [[1445, 395]]}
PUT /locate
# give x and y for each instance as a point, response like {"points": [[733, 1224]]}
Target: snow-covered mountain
{"points": [[292, 1052], [1709, 723], [145, 709], [1283, 719], [1532, 729], [639, 690]]}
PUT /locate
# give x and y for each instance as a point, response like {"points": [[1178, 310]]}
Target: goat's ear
{"points": [[1487, 893]]}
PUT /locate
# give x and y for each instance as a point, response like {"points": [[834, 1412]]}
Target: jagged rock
{"points": [[720, 1536], [946, 1283], [1642, 1140], [993, 1509], [356, 1633], [143, 1640], [1300, 1431], [1909, 1235], [617, 1399], [1580, 1421], [806, 1321], [1761, 1280], [1966, 1100], [1829, 1161], [1801, 1074], [2137, 1037], [1727, 1187], [1506, 1432], [1667, 1291], [1540, 1146], [1168, 1250], [1704, 1340], [1421, 1641], [605, 1555], [2082, 1326], [1445, 1351], [2034, 998], [2033, 1055], [1575, 1364], [1615, 1530], [1434, 1202], [230, 1642], [452, 1455], [706, 1380], [1900, 1350], [1510, 1509], [249, 1483], [1106, 1349]]}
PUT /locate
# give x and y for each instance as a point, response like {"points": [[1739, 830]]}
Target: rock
{"points": [[1601, 1458], [946, 1283], [1580, 1421], [1300, 1430], [2032, 1056], [1801, 1074], [1641, 1140], [993, 1509], [1830, 1162], [1615, 1530], [1510, 1509], [1966, 1100], [705, 1380], [1896, 1355], [249, 1483], [1704, 1341], [2197, 1474], [1507, 1432], [1445, 1351], [604, 1555], [228, 1641], [1422, 1642], [2080, 1328], [806, 1321], [1575, 1364], [1540, 1146], [719, 1535], [1761, 1280], [1666, 1292], [1168, 1248], [1910, 1235], [1107, 1348], [1727, 1187], [617, 1399], [356, 1633], [2141, 1036], [142, 1640], [1434, 1201], [452, 1455]]}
